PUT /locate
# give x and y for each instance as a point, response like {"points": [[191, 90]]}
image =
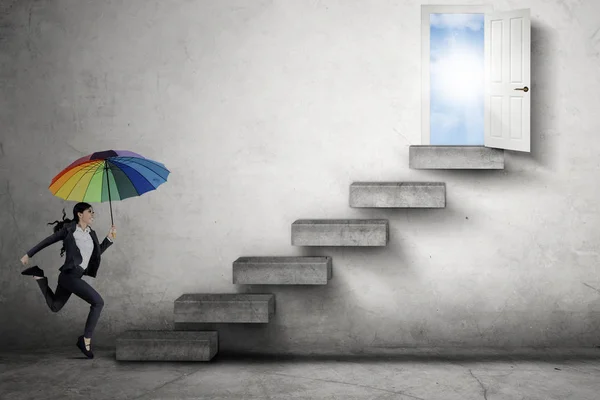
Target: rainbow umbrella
{"points": [[108, 175]]}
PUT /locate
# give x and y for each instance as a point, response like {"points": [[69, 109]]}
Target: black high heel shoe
{"points": [[81, 344], [34, 271]]}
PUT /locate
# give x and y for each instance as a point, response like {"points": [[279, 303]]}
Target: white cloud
{"points": [[458, 76], [457, 21], [450, 40]]}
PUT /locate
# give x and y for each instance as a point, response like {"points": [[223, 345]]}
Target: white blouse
{"points": [[85, 243]]}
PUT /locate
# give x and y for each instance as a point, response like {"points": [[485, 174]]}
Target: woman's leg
{"points": [[57, 300], [83, 290]]}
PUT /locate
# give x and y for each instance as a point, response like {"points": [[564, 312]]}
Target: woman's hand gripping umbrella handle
{"points": [[113, 232]]}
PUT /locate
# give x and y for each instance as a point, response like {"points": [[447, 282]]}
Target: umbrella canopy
{"points": [[108, 175]]}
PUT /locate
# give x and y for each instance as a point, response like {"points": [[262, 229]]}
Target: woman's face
{"points": [[87, 217]]}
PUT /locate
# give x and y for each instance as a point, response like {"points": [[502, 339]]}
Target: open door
{"points": [[507, 80]]}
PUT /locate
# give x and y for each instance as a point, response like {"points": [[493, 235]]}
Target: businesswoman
{"points": [[83, 258]]}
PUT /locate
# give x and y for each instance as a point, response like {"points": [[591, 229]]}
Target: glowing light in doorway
{"points": [[457, 73]]}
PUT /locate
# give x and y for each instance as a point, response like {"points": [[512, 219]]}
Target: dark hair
{"points": [[78, 208]]}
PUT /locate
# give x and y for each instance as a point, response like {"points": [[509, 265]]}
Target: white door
{"points": [[507, 80]]}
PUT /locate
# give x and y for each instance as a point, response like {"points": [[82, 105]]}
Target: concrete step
{"points": [[398, 194], [340, 232], [224, 308], [166, 346], [455, 157], [282, 270]]}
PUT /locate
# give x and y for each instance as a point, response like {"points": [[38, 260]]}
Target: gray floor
{"points": [[538, 374]]}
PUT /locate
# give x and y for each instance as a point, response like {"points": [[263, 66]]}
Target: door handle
{"points": [[525, 89]]}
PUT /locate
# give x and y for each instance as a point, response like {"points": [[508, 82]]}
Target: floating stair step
{"points": [[224, 308], [340, 232], [167, 346], [282, 270], [398, 194], [455, 157]]}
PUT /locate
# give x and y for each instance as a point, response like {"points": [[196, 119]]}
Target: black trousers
{"points": [[70, 282]]}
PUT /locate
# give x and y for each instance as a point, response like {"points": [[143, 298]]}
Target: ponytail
{"points": [[59, 226]]}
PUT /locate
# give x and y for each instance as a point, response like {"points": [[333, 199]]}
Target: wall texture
{"points": [[265, 112]]}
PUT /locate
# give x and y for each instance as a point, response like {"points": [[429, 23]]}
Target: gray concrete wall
{"points": [[265, 112]]}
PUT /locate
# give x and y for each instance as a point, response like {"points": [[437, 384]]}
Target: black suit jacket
{"points": [[73, 255]]}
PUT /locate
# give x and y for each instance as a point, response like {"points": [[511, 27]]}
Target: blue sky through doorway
{"points": [[457, 82]]}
